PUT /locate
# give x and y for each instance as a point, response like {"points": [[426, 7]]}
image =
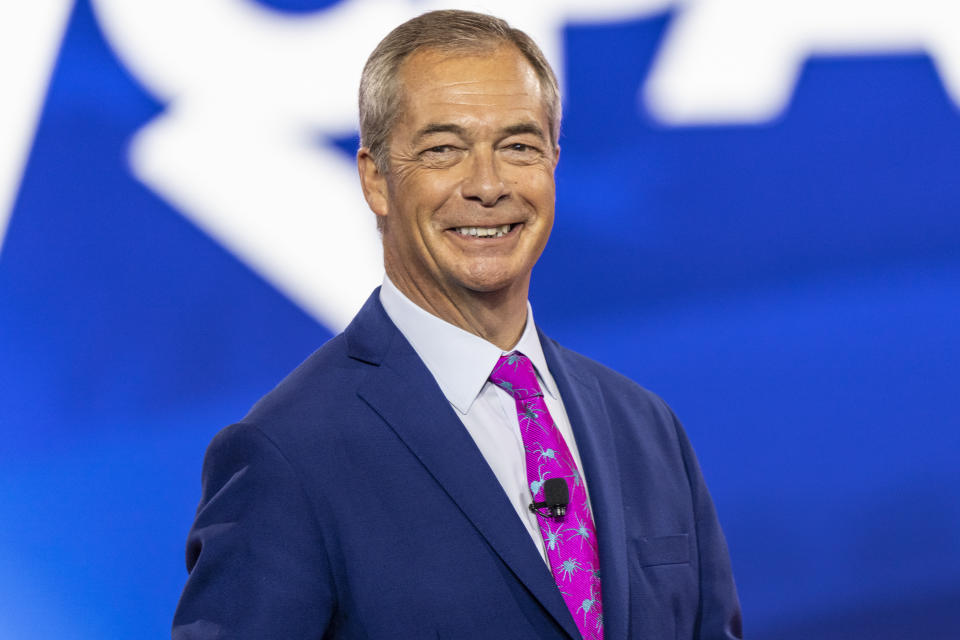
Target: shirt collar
{"points": [[459, 361]]}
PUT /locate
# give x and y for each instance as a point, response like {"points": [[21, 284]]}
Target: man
{"points": [[385, 488]]}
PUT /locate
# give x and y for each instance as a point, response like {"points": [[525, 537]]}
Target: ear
{"points": [[373, 183], [556, 156]]}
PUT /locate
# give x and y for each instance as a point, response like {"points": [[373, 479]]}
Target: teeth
{"points": [[485, 232]]}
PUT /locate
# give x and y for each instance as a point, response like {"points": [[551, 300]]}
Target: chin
{"points": [[491, 283], [491, 276]]}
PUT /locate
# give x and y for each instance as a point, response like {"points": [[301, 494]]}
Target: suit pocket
{"points": [[658, 550]]}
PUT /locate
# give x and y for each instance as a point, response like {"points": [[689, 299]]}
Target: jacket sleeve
{"points": [[258, 565], [719, 616]]}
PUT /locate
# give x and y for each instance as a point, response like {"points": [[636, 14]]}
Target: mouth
{"points": [[498, 231]]}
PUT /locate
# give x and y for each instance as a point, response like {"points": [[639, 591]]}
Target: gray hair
{"points": [[450, 31]]}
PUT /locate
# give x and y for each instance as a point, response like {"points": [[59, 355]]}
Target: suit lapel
{"points": [[403, 392], [583, 402]]}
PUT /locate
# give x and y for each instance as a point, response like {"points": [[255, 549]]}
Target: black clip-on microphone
{"points": [[556, 497]]}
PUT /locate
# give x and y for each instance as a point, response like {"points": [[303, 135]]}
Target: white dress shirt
{"points": [[461, 363]]}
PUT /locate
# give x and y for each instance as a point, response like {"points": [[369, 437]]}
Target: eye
{"points": [[441, 155], [521, 152]]}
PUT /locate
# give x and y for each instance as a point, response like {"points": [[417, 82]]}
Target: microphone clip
{"points": [[556, 497], [555, 511]]}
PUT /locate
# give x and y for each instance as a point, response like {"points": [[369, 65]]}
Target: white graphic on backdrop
{"points": [[252, 94], [737, 61], [30, 35]]}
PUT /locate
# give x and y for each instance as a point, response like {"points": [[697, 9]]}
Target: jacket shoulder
{"points": [[317, 395], [617, 389]]}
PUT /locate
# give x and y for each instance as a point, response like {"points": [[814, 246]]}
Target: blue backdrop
{"points": [[790, 286]]}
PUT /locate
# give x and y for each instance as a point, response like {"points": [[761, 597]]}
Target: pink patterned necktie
{"points": [[571, 540]]}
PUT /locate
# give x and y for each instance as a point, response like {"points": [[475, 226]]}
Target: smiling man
{"points": [[466, 191], [442, 469]]}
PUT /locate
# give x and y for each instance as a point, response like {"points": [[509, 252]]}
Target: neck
{"points": [[499, 317]]}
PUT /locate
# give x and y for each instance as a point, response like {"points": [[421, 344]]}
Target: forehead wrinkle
{"points": [[480, 99], [462, 101], [446, 92], [477, 83], [488, 94]]}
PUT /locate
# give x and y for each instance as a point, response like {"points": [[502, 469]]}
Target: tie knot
{"points": [[514, 374]]}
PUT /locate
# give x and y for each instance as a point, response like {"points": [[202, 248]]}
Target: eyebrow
{"points": [[439, 127], [512, 130], [526, 127]]}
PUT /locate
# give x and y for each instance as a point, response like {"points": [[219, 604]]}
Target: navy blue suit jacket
{"points": [[352, 503]]}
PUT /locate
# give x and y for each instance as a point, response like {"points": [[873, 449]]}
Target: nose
{"points": [[483, 182]]}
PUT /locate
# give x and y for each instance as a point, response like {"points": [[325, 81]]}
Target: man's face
{"points": [[470, 191]]}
